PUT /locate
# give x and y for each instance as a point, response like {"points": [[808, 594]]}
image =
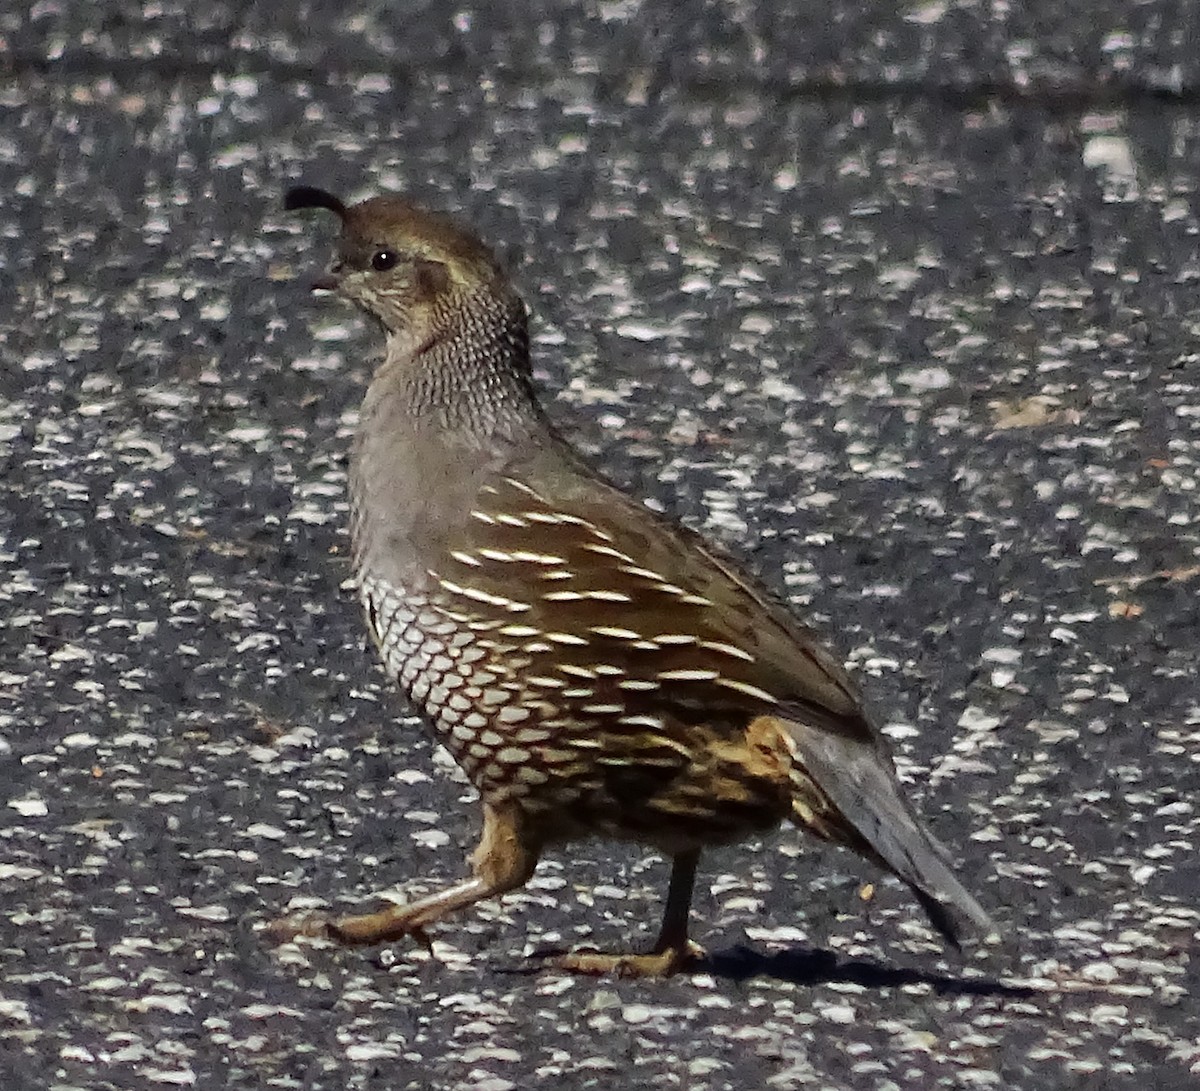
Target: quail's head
{"points": [[410, 268]]}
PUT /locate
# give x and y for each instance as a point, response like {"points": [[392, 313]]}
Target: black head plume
{"points": [[310, 197]]}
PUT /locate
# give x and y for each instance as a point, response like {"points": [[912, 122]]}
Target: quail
{"points": [[596, 669]]}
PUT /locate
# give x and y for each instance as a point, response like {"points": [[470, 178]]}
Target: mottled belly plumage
{"points": [[577, 746], [470, 700]]}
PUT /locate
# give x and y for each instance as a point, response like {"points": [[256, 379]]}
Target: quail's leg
{"points": [[504, 860], [672, 951]]}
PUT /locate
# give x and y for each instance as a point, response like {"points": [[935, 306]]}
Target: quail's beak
{"points": [[327, 283]]}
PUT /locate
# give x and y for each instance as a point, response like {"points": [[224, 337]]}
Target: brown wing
{"points": [[639, 608]]}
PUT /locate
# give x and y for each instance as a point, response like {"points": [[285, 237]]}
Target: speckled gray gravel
{"points": [[899, 301]]}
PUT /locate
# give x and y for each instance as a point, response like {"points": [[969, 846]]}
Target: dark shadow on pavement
{"points": [[809, 966]]}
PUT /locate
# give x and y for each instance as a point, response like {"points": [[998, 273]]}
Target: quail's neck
{"points": [[472, 378], [438, 417]]}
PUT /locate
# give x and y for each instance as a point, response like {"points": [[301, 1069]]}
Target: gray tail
{"points": [[859, 781]]}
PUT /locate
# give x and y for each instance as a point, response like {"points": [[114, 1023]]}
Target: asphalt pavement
{"points": [[900, 303]]}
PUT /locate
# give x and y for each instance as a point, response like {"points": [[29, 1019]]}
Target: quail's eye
{"points": [[383, 260]]}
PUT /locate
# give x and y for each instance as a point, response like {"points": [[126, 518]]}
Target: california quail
{"points": [[595, 668]]}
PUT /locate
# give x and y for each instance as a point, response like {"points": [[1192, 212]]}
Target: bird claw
{"points": [[287, 929], [664, 962], [369, 928]]}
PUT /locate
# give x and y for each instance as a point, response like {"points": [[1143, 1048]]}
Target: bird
{"points": [[596, 669]]}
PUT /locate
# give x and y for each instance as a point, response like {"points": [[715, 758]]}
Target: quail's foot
{"points": [[661, 962], [382, 926]]}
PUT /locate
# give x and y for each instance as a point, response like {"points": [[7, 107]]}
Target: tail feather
{"points": [[858, 779]]}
